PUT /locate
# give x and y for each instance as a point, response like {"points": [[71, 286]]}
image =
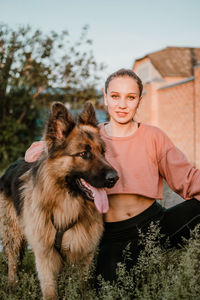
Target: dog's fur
{"points": [[39, 198]]}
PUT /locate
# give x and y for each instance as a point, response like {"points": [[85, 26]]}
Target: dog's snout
{"points": [[111, 178]]}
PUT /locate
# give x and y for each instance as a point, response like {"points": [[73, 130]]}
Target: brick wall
{"points": [[144, 110], [176, 110], [176, 116]]}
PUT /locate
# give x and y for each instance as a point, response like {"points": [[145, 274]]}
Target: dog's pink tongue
{"points": [[100, 199]]}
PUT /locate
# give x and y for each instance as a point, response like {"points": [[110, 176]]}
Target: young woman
{"points": [[143, 155]]}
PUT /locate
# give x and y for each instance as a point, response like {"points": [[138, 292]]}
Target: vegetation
{"points": [[36, 69], [159, 274]]}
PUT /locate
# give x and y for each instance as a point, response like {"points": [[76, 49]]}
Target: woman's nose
{"points": [[122, 102]]}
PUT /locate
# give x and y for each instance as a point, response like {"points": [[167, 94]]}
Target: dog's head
{"points": [[76, 152]]}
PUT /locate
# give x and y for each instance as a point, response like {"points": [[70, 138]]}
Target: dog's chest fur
{"points": [[77, 241]]}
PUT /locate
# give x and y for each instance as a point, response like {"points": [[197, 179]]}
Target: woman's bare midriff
{"points": [[125, 206]]}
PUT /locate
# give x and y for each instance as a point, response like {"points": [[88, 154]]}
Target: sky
{"points": [[121, 30]]}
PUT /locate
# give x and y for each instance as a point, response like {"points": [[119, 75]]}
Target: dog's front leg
{"points": [[48, 265], [85, 266]]}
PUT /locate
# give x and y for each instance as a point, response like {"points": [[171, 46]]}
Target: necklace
{"points": [[121, 133]]}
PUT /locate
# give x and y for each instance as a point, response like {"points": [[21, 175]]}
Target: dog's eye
{"points": [[85, 155], [103, 150]]}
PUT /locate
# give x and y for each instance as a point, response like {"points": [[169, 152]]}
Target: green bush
{"points": [[159, 274]]}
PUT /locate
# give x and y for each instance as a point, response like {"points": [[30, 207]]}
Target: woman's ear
{"points": [[139, 101]]}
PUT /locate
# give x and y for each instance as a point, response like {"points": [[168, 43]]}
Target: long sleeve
{"points": [[180, 175]]}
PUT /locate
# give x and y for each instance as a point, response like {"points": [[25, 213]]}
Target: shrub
{"points": [[159, 274]]}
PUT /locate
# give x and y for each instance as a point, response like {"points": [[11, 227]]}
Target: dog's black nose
{"points": [[111, 178]]}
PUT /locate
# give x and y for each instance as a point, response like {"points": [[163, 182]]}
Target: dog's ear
{"points": [[88, 115], [59, 125]]}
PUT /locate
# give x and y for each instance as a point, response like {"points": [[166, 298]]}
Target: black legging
{"points": [[175, 223]]}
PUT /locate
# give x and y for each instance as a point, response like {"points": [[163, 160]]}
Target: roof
{"points": [[174, 61], [177, 83]]}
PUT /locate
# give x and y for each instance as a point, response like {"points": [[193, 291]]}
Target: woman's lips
{"points": [[121, 114]]}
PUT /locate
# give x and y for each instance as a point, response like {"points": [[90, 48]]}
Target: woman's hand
{"points": [[34, 151]]}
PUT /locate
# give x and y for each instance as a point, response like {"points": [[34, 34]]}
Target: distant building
{"points": [[171, 98]]}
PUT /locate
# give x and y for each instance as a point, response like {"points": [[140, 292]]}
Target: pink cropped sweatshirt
{"points": [[144, 158]]}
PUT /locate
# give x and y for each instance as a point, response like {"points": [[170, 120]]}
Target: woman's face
{"points": [[122, 99]]}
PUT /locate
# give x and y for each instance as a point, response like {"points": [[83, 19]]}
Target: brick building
{"points": [[171, 98]]}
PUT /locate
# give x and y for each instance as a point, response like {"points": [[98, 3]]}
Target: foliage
{"points": [[159, 274], [36, 69]]}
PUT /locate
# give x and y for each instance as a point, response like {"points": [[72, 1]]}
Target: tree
{"points": [[36, 69]]}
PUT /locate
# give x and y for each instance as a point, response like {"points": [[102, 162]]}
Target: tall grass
{"points": [[159, 274]]}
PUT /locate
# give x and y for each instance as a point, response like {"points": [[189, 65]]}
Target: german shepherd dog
{"points": [[56, 203]]}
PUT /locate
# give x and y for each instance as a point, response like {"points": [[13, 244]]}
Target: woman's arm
{"points": [[180, 175]]}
